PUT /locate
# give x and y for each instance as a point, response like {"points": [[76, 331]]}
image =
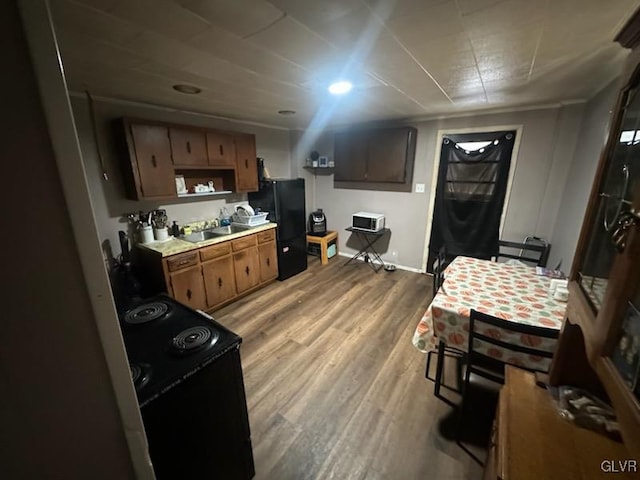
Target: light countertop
{"points": [[175, 245]]}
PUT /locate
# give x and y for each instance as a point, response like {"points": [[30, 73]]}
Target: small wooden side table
{"points": [[324, 244]]}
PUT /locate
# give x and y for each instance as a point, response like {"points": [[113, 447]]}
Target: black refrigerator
{"points": [[284, 200]]}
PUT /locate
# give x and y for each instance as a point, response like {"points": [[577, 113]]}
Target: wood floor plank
{"points": [[335, 389]]}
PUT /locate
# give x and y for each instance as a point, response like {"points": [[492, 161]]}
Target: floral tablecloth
{"points": [[511, 292]]}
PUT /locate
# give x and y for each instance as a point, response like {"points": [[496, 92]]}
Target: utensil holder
{"points": [[160, 234], [146, 234]]}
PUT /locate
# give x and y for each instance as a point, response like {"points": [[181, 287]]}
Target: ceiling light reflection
{"points": [[340, 88]]}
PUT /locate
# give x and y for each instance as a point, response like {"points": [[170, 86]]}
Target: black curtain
{"points": [[469, 196]]}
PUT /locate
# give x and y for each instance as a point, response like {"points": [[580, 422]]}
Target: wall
{"points": [[108, 197], [546, 148], [593, 131], [545, 162], [59, 416]]}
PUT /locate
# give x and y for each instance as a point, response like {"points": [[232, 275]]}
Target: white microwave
{"points": [[367, 221]]}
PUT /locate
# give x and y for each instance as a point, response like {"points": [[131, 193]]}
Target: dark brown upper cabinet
{"points": [[154, 153], [246, 164], [380, 158], [150, 171], [350, 154], [188, 147], [221, 149]]}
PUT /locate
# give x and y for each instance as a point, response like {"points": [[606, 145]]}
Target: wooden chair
{"points": [[533, 251], [491, 368]]}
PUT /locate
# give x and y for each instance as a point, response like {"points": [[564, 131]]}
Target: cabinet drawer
{"points": [[182, 261], [215, 251], [266, 236], [244, 242]]}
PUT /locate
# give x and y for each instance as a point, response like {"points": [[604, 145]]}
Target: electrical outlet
{"points": [[419, 187]]}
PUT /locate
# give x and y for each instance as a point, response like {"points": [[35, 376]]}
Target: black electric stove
{"points": [[188, 378]]}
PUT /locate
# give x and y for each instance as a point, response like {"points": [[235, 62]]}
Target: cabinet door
{"points": [[221, 150], [153, 161], [268, 261], [387, 155], [350, 153], [246, 164], [247, 269], [188, 287], [219, 280], [188, 147]]}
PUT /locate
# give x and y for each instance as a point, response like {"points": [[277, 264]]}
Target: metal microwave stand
{"points": [[367, 251]]}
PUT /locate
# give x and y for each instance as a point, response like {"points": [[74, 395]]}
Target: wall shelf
{"points": [[321, 170], [204, 194]]}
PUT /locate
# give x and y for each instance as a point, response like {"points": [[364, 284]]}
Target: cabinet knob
{"points": [[153, 161], [247, 270], [188, 147], [268, 262], [221, 150], [219, 282], [246, 163], [189, 293]]}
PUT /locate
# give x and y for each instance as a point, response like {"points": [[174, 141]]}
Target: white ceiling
{"points": [[407, 58]]}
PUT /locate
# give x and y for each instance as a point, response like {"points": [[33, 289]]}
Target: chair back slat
{"points": [[535, 253], [510, 341]]}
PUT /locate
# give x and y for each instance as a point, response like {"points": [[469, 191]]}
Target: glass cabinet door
{"points": [[614, 202], [626, 352]]}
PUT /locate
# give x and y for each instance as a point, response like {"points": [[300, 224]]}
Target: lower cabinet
{"points": [[219, 280], [188, 288], [247, 269], [213, 276], [268, 261]]}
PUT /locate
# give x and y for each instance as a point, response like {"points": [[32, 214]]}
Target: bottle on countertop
{"points": [[225, 218], [175, 229]]}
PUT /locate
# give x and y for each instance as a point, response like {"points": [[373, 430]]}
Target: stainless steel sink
{"points": [[199, 236], [210, 233]]}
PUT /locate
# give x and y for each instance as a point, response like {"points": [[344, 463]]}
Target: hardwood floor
{"points": [[335, 389]]}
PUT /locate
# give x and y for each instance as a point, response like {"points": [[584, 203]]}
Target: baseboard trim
{"points": [[399, 267]]}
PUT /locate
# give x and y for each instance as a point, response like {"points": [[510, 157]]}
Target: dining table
{"points": [[513, 292]]}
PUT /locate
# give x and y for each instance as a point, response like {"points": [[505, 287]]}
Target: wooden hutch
{"points": [[605, 275], [599, 346]]}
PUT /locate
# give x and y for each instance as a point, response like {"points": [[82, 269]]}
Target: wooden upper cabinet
{"points": [[188, 147], [153, 153], [246, 164], [350, 153], [390, 155], [382, 156], [221, 149], [150, 161]]}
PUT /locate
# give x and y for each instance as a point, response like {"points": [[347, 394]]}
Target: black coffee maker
{"points": [[317, 223]]}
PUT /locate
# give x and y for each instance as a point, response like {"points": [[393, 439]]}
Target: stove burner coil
{"points": [[193, 339], [146, 313], [139, 375]]}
